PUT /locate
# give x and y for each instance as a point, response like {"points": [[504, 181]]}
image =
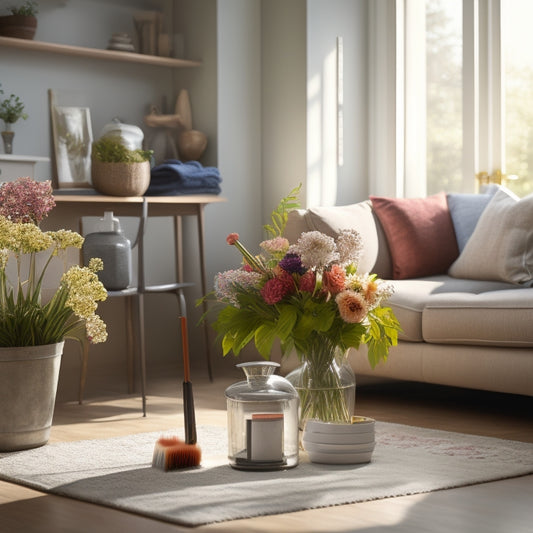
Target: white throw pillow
{"points": [[501, 246]]}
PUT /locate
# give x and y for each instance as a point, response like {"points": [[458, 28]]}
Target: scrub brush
{"points": [[171, 452]]}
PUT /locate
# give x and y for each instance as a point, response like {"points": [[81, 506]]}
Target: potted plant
{"points": [[117, 170], [21, 22], [11, 110], [36, 316]]}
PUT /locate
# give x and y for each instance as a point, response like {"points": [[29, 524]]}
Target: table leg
{"points": [[200, 218]]}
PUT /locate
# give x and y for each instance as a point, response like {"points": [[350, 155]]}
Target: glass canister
{"points": [[262, 419]]}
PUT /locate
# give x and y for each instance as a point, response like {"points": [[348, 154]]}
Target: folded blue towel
{"points": [[173, 177]]}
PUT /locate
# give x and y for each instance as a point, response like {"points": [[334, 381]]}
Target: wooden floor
{"points": [[504, 506]]}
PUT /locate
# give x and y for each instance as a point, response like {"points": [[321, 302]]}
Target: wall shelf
{"points": [[96, 53]]}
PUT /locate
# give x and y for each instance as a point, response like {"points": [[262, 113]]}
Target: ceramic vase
{"points": [[28, 386]]}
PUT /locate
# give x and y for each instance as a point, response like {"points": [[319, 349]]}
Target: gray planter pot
{"points": [[28, 386]]}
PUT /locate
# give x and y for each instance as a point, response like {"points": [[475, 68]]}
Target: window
{"points": [[444, 65], [498, 37], [451, 95], [517, 40]]}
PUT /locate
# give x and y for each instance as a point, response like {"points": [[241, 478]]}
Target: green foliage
{"points": [[30, 8], [11, 109], [381, 335], [280, 215], [111, 149], [300, 323]]}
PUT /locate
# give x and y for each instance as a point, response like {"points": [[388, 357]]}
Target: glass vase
{"points": [[7, 137], [325, 383]]}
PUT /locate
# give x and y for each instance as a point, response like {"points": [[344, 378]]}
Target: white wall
{"points": [[283, 119], [329, 183], [299, 100]]}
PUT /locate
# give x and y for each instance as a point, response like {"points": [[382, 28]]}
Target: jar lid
{"points": [[261, 384]]}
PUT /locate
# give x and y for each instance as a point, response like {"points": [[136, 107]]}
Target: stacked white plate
{"points": [[332, 443]]}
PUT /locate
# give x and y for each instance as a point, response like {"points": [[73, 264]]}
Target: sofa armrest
{"points": [[331, 220]]}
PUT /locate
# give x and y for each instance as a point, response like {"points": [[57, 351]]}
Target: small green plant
{"points": [[111, 149], [29, 8], [11, 109]]}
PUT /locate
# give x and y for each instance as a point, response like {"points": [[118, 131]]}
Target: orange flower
{"points": [[352, 306], [334, 279]]}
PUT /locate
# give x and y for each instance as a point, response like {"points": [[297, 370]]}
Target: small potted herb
{"points": [[21, 21], [11, 110]]}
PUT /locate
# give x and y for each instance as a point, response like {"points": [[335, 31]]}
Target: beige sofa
{"points": [[458, 331]]}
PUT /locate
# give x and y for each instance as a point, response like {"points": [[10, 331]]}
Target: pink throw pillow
{"points": [[420, 234]]}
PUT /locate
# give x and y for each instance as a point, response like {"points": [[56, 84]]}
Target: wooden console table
{"points": [[75, 205]]}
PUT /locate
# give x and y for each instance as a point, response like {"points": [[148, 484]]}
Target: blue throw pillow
{"points": [[465, 210]]}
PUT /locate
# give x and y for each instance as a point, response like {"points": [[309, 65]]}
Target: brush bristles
{"points": [[171, 453]]}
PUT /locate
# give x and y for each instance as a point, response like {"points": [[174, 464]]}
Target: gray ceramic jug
{"points": [[109, 244]]}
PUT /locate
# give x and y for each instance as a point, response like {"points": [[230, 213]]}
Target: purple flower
{"points": [[292, 264]]}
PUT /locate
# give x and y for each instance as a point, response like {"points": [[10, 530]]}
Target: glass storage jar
{"points": [[262, 419]]}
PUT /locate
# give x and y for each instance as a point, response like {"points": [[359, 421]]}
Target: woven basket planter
{"points": [[121, 179], [20, 26]]}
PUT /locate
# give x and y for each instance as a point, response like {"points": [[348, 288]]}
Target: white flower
{"points": [[229, 283], [350, 246], [316, 250]]}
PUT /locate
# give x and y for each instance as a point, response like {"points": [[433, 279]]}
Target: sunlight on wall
{"points": [[322, 98]]}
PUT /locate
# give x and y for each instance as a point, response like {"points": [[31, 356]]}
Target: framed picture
{"points": [[72, 139]]}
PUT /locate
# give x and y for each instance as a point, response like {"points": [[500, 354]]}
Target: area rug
{"points": [[117, 473]]}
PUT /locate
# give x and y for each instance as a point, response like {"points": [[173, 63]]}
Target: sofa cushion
{"points": [[420, 234], [492, 318], [501, 246], [412, 297], [332, 220], [465, 210]]}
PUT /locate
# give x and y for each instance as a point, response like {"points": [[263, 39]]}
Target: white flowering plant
{"points": [[25, 319], [310, 296]]}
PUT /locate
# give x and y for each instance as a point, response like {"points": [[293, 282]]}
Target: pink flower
{"points": [[232, 238], [277, 245], [26, 200], [275, 289], [352, 306], [308, 281], [334, 279]]}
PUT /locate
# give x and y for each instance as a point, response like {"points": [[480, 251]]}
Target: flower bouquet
{"points": [[25, 318], [311, 298]]}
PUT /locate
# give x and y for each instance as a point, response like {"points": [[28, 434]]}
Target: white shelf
{"points": [[95, 53], [24, 158]]}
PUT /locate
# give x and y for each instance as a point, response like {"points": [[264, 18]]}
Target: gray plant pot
{"points": [[28, 386]]}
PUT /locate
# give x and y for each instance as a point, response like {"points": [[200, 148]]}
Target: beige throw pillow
{"points": [[501, 246]]}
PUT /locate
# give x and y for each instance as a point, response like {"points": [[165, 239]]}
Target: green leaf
{"points": [[286, 321], [280, 215], [264, 339]]}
